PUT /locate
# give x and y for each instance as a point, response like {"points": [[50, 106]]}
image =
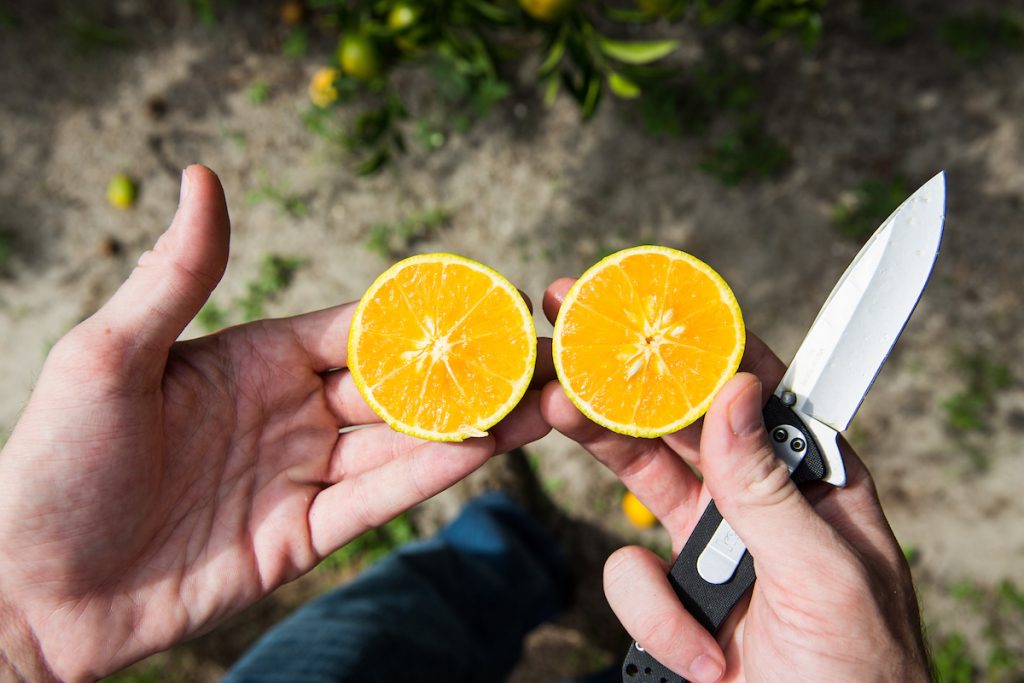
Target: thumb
{"points": [[173, 280], [752, 488]]}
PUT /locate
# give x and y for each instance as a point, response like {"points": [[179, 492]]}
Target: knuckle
{"points": [[657, 634], [763, 480]]}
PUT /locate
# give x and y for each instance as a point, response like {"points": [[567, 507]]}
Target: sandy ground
{"points": [[537, 196]]}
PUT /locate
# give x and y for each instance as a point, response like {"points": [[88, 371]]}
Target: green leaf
{"points": [[492, 12], [554, 55], [639, 52], [592, 96], [630, 16], [551, 91], [622, 86]]}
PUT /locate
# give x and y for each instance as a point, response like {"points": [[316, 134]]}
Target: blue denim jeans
{"points": [[454, 608]]}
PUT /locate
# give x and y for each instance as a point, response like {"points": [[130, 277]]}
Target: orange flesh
{"points": [[439, 351], [648, 340]]}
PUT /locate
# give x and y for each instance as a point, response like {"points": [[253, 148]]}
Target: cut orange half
{"points": [[442, 347], [645, 339]]}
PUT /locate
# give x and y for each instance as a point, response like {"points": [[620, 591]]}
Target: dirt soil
{"points": [[537, 195]]}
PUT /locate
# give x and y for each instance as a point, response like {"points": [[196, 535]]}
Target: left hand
{"points": [[151, 488]]}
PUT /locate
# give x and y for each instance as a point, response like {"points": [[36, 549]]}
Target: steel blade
{"points": [[867, 310]]}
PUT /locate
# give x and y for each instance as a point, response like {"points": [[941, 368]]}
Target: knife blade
{"points": [[834, 368]]}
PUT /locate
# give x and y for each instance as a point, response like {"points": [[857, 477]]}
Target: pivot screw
{"points": [[779, 434], [798, 444]]}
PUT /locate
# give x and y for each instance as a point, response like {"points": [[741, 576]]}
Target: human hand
{"points": [[833, 600], [151, 488]]}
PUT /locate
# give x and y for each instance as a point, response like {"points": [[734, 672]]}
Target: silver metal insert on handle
{"points": [[718, 561]]}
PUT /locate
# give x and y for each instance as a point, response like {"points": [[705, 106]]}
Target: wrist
{"points": [[21, 658]]}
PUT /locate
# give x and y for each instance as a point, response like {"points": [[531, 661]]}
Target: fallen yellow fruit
{"points": [[121, 191], [636, 512]]}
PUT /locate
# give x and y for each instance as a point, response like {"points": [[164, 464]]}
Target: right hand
{"points": [[833, 600]]}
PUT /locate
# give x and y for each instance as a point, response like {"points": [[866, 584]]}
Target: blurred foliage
{"points": [[371, 546], [276, 274], [969, 412], [396, 240], [862, 211], [288, 203], [951, 662], [971, 408], [477, 52], [998, 657], [978, 36], [747, 152], [258, 92]]}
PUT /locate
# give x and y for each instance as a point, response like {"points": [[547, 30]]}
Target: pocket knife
{"points": [[833, 369]]}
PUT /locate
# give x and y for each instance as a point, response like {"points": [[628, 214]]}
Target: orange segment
{"points": [[645, 339], [442, 347]]}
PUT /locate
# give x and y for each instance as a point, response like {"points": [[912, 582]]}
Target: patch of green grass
{"points": [[296, 43], [978, 36], [276, 274], [746, 153], [394, 240], [1000, 656], [212, 316], [287, 202], [258, 92], [951, 662], [970, 409], [967, 591], [863, 210], [235, 137], [713, 88], [366, 549]]}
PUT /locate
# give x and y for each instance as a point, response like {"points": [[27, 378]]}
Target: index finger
{"points": [[322, 334]]}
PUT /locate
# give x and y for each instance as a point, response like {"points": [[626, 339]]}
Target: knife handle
{"points": [[714, 551]]}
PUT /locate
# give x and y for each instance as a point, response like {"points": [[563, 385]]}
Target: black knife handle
{"points": [[711, 603]]}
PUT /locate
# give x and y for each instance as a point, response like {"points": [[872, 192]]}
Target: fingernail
{"points": [[183, 193], [745, 412], [705, 670]]}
